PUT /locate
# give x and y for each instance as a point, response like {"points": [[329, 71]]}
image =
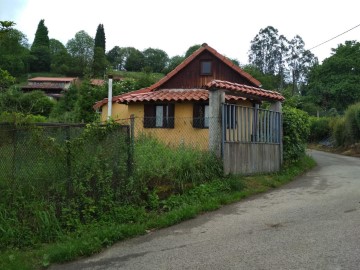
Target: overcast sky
{"points": [[173, 26]]}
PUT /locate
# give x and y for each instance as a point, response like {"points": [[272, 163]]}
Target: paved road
{"points": [[311, 223]]}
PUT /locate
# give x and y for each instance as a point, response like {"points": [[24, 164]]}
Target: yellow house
{"points": [[176, 108]]}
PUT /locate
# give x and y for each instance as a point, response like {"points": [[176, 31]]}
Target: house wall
{"points": [[182, 133], [190, 77]]}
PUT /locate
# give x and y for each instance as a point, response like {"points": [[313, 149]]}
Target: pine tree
{"points": [[100, 62], [40, 50]]}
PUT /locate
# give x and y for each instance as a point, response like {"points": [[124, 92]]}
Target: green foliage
{"points": [[6, 80], [268, 81], [155, 59], [34, 102], [173, 63], [336, 82], [60, 58], [319, 129], [135, 60], [14, 52], [100, 40], [296, 129], [40, 50], [63, 178], [192, 49], [81, 50], [159, 165], [346, 130], [99, 62], [20, 118]]}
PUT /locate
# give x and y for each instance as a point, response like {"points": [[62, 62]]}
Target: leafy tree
{"points": [[116, 57], [14, 51], [134, 60], [173, 63], [191, 50], [300, 61], [264, 51], [40, 49], [6, 80], [155, 59], [100, 63], [64, 109], [60, 58], [268, 81], [81, 50], [336, 82], [6, 26]]}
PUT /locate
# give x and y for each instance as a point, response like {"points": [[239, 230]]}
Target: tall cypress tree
{"points": [[40, 49], [100, 62]]}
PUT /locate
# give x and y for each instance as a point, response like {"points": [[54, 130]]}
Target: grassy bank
{"points": [[132, 220]]}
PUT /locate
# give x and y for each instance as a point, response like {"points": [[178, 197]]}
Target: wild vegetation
{"points": [[55, 223]]}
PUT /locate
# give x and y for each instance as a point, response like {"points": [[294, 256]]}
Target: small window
{"points": [[201, 116], [159, 116], [206, 68]]}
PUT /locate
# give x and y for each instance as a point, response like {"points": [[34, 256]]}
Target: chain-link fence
{"points": [[48, 156]]}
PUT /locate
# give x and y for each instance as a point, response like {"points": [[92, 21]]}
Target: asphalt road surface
{"points": [[310, 223]]}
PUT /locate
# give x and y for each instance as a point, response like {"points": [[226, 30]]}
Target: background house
{"points": [[52, 87]]}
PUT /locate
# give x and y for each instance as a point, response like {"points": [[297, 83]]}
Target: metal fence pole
{"points": [[68, 161], [131, 144]]}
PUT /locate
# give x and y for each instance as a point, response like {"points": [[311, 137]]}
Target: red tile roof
{"points": [[169, 95], [97, 82], [245, 90]]}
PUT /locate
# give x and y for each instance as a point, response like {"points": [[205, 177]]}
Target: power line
{"points": [[334, 37]]}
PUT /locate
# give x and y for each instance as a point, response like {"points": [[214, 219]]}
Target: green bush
{"points": [[319, 129], [346, 130], [296, 129], [160, 165]]}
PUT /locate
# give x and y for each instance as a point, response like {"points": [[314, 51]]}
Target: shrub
{"points": [[319, 129], [346, 130], [296, 129]]}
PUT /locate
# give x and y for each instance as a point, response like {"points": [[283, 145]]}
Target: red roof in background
{"points": [[52, 79], [245, 90], [97, 82]]}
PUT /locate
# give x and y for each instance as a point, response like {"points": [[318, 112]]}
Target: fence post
{"points": [[131, 144], [68, 161], [216, 98], [14, 139]]}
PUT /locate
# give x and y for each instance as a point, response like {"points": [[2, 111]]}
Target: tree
{"points": [[116, 57], [134, 60], [173, 63], [6, 80], [14, 52], [155, 59], [40, 50], [60, 58], [268, 81], [81, 50], [99, 63], [300, 61], [336, 82], [191, 50], [264, 51]]}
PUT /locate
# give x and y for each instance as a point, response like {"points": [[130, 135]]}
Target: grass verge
{"points": [[93, 238]]}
